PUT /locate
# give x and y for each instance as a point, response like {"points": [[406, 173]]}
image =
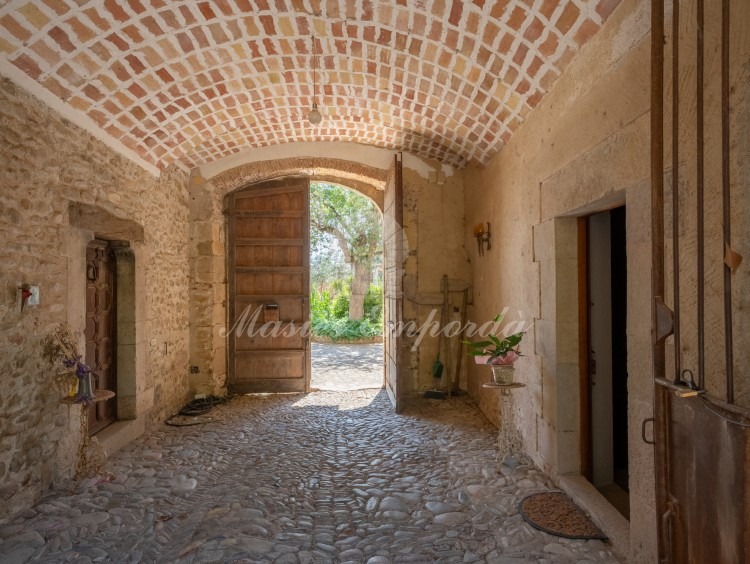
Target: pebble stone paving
{"points": [[330, 476], [341, 367]]}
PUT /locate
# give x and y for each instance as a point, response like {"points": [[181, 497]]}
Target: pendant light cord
{"points": [[315, 64]]}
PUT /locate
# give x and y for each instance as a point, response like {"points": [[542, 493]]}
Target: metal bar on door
{"points": [[726, 198], [661, 403], [657, 177], [699, 189], [676, 185]]}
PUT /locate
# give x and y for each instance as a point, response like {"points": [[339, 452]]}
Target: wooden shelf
{"points": [[99, 395]]}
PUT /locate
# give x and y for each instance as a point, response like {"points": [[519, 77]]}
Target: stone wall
{"points": [[47, 165], [434, 246], [584, 149]]}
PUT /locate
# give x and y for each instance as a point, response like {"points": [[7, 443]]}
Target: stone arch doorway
{"points": [[210, 355]]}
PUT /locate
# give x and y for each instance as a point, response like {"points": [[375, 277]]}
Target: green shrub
{"points": [[374, 304], [340, 306], [345, 329], [320, 304], [329, 314]]}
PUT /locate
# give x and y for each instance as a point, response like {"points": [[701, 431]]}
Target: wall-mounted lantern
{"points": [[482, 234]]}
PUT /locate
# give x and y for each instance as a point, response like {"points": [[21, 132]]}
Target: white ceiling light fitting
{"points": [[314, 117]]}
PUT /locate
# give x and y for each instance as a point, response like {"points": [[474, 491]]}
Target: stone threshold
{"points": [[115, 436], [604, 514]]}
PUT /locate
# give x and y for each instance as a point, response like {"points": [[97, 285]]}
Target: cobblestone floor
{"points": [[346, 367], [326, 477]]}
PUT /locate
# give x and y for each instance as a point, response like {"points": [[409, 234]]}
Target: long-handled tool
{"points": [[437, 366], [454, 385]]}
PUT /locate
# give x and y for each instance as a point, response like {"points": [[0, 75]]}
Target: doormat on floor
{"points": [[556, 514]]}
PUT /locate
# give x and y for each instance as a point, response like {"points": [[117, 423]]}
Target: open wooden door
{"points": [[393, 219], [268, 274]]}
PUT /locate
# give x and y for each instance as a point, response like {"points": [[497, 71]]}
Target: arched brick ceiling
{"points": [[194, 81]]}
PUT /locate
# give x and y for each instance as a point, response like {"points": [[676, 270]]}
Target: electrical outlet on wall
{"points": [[34, 297]]}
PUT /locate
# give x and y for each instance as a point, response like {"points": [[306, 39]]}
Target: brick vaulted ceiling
{"points": [[195, 81]]}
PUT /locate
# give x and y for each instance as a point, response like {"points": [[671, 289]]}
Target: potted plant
{"points": [[499, 353]]}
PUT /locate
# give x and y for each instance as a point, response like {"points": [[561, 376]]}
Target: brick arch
{"points": [[364, 179], [195, 82]]}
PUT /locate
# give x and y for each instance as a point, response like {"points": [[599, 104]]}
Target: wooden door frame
{"points": [[584, 346]]}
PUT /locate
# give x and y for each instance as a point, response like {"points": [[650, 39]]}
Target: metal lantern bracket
{"points": [[482, 234]]}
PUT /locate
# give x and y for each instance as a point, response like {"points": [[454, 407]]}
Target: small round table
{"points": [[99, 395], [509, 441], [84, 463]]}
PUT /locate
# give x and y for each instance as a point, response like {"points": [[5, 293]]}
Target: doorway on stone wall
{"points": [[604, 401], [101, 329], [346, 289]]}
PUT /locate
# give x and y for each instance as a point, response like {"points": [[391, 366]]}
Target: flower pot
{"points": [[502, 374]]}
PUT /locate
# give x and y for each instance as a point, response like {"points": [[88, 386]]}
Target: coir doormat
{"points": [[556, 514]]}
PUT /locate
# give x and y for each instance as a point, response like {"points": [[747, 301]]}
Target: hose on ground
{"points": [[194, 409]]}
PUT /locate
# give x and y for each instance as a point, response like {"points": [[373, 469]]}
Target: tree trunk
{"points": [[360, 285]]}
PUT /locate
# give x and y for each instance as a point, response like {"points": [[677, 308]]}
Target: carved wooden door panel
{"points": [[100, 329], [269, 287]]}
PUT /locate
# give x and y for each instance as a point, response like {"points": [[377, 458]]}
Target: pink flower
{"points": [[505, 360]]}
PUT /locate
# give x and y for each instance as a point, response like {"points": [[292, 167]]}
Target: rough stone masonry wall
{"points": [[585, 148], [47, 163]]}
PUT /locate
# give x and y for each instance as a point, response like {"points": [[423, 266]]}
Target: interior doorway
{"points": [[605, 377]]}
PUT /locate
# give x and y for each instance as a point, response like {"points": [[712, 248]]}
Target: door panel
{"points": [[269, 257], [701, 426], [100, 329], [393, 277]]}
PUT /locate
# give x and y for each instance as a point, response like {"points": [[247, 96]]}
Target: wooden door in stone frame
{"points": [[268, 276], [100, 329]]}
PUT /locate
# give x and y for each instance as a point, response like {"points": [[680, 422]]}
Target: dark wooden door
{"points": [[701, 423], [269, 288], [100, 329], [393, 221]]}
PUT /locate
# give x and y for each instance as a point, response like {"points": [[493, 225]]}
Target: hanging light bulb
{"points": [[314, 117]]}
